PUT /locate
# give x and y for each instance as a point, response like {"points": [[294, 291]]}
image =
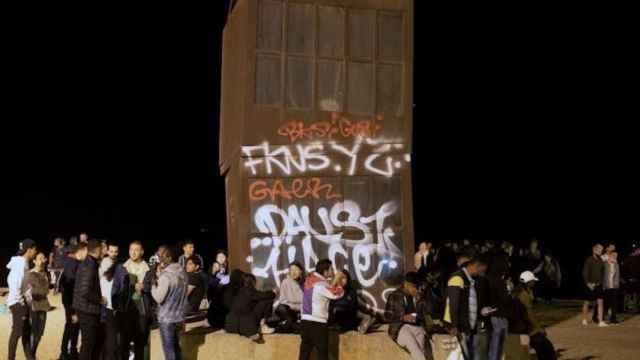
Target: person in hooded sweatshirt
{"points": [[18, 266]]}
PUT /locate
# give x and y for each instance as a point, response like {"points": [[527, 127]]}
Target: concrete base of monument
{"points": [[201, 343]]}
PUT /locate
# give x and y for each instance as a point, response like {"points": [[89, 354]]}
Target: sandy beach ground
{"points": [[571, 339]]}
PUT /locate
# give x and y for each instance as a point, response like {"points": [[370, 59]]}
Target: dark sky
{"points": [[524, 125]]}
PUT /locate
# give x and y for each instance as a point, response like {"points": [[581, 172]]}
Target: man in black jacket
{"points": [[87, 300], [593, 274], [462, 307], [69, 347]]}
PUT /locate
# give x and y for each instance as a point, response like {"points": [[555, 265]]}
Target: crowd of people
{"points": [[477, 293]]}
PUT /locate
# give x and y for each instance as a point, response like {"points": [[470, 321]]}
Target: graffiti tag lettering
{"points": [[300, 189], [338, 125]]}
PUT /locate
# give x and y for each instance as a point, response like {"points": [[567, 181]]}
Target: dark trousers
{"points": [[314, 335], [20, 329], [135, 328], [263, 309], [543, 347], [38, 321], [611, 302], [170, 336], [70, 334], [89, 328], [288, 319], [109, 332]]}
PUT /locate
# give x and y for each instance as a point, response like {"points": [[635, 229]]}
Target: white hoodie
{"points": [[17, 267]]}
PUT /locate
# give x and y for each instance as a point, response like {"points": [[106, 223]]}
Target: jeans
{"points": [[170, 335], [89, 326], [471, 345], [314, 335], [38, 322], [20, 328], [498, 336], [413, 338], [70, 334]]}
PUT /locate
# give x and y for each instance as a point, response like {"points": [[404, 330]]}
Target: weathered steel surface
{"points": [[315, 137]]}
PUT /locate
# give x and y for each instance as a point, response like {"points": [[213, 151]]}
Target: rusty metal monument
{"points": [[315, 138]]}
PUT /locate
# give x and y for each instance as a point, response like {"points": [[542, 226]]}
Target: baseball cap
{"points": [[527, 276]]}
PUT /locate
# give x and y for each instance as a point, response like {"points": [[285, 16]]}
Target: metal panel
{"points": [[320, 143]]}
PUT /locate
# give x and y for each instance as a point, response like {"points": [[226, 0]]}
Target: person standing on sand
{"points": [[593, 274], [18, 266], [35, 286]]}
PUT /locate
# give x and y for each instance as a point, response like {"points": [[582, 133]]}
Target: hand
{"points": [[139, 287], [74, 319]]}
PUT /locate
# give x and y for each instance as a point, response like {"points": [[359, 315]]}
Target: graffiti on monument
{"points": [[318, 199]]}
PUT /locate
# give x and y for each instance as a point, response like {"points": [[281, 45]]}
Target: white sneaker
{"points": [[266, 330], [603, 324], [584, 323]]}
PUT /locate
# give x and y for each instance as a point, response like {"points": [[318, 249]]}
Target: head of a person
{"points": [[597, 249], [611, 247], [136, 251], [221, 257], [547, 258], [28, 249], [84, 238], [424, 247], [236, 278], [94, 248], [533, 245], [476, 266], [324, 267], [295, 271], [411, 283], [188, 248], [345, 279], [73, 241], [490, 244], [193, 265], [463, 259], [105, 247], [466, 242], [167, 255], [58, 242], [249, 281], [528, 279], [40, 261], [80, 252], [613, 257], [113, 251]]}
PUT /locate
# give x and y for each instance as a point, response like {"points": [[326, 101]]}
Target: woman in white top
{"points": [[290, 299]]}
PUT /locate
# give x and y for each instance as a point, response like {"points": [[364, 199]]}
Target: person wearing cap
{"points": [[538, 340], [18, 266], [405, 326], [462, 310]]}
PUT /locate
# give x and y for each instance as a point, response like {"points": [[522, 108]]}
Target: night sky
{"points": [[523, 126]]}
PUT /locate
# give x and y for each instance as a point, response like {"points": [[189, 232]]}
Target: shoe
{"points": [[266, 330], [257, 339], [584, 323], [603, 324], [366, 324]]}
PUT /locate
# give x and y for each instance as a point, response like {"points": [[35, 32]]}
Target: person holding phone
{"points": [[404, 324]]}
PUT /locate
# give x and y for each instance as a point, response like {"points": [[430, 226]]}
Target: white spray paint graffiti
{"points": [[374, 240], [314, 157]]}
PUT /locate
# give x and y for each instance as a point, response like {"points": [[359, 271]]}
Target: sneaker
{"points": [[264, 329], [257, 339], [603, 324], [584, 323], [366, 324]]}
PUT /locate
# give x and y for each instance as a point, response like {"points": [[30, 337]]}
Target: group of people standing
{"points": [[108, 304], [601, 275], [468, 291]]}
